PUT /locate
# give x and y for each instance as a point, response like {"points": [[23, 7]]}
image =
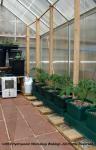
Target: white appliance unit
{"points": [[9, 87]]}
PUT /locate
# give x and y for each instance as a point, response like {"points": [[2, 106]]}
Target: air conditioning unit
{"points": [[9, 87]]}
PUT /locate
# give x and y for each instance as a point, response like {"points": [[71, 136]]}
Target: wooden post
{"points": [[27, 51], [51, 41], [37, 42], [76, 41]]}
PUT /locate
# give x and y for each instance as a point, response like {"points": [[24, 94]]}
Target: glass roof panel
{"points": [[36, 6], [66, 7], [39, 7], [17, 9], [46, 17], [43, 28], [33, 26], [86, 5], [58, 18], [26, 2], [28, 17], [6, 15], [52, 1]]}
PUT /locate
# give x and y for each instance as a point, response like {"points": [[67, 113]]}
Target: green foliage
{"points": [[92, 93], [66, 86], [55, 81], [18, 56], [8, 42], [40, 75], [82, 90]]}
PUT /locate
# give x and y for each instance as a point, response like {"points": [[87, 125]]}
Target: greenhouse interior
{"points": [[47, 74]]}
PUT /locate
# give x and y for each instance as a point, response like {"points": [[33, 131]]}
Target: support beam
{"points": [[1, 2], [37, 42], [51, 41], [76, 41], [27, 51]]}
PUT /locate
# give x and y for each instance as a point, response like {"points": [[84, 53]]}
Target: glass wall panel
{"points": [[45, 52], [88, 47], [60, 53]]}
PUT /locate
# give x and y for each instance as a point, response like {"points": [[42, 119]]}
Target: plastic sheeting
{"points": [[28, 10]]}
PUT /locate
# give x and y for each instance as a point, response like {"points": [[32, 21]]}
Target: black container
{"points": [[13, 52], [9, 46], [2, 58], [17, 66]]}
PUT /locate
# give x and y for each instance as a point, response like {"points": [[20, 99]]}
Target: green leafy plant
{"points": [[92, 93], [66, 87], [18, 56], [55, 81], [40, 75], [82, 90]]}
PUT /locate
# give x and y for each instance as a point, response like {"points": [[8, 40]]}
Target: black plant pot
{"points": [[17, 66], [8, 47], [2, 58], [12, 53]]}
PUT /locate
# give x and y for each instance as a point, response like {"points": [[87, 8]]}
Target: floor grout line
{"points": [[22, 115], [5, 125], [47, 133], [22, 138], [40, 145]]}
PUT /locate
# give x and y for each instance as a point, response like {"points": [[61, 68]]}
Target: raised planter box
{"points": [[91, 119], [77, 112], [50, 96], [61, 100]]}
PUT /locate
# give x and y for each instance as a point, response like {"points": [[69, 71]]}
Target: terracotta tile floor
{"points": [[26, 129]]}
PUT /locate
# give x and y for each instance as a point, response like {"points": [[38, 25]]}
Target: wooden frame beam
{"points": [[37, 42], [76, 41], [51, 41], [27, 51], [1, 2]]}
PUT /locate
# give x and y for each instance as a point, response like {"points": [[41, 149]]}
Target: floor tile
{"points": [[55, 142], [10, 112], [38, 123], [3, 133], [18, 129], [1, 117], [27, 144]]}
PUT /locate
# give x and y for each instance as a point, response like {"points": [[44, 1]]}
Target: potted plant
{"points": [[65, 91], [91, 113], [53, 83], [17, 64], [39, 81], [77, 107], [8, 44]]}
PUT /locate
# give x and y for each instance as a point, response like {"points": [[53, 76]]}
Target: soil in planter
{"points": [[80, 103], [93, 113], [77, 108]]}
